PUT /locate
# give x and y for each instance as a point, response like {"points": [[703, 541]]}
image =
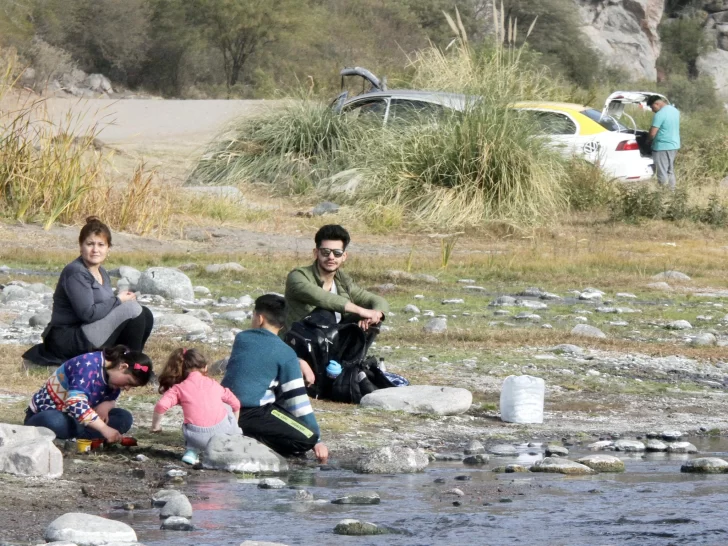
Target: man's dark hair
{"points": [[273, 308], [652, 99], [332, 232]]}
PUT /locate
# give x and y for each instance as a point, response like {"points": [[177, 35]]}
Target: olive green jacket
{"points": [[304, 292]]}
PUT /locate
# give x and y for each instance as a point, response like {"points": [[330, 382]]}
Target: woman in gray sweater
{"points": [[86, 313]]}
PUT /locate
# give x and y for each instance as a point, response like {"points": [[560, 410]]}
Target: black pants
{"points": [[277, 428]]}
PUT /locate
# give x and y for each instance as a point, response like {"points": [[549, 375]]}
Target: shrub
{"points": [[587, 187], [49, 62]]}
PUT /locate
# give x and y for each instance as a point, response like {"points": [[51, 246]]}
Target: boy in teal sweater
{"points": [[264, 373]]}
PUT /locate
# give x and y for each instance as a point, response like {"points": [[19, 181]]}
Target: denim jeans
{"points": [[64, 426]]}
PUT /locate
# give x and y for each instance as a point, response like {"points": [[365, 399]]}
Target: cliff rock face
{"points": [[625, 32], [715, 63]]}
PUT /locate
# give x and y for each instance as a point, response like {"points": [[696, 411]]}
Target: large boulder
{"points": [[29, 451], [88, 530], [705, 465], [392, 460], [241, 454], [625, 33], [420, 399], [167, 282], [176, 506]]}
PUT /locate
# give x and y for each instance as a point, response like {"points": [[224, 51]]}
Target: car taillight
{"points": [[627, 145]]}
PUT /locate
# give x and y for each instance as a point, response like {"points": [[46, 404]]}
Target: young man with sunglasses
{"points": [[322, 286]]}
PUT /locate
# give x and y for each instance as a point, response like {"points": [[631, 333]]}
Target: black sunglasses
{"points": [[326, 252]]}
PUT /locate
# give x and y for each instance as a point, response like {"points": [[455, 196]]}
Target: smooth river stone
{"points": [[600, 445], [556, 450], [427, 399], [363, 497], [603, 463], [354, 527], [705, 465], [88, 530], [681, 447], [656, 445], [632, 446], [561, 466]]}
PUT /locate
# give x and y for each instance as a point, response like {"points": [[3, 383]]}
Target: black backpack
{"points": [[318, 339]]}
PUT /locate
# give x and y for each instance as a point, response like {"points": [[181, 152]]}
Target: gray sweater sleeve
{"points": [[78, 286]]}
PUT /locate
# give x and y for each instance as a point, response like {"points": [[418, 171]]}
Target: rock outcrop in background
{"points": [[715, 63]]}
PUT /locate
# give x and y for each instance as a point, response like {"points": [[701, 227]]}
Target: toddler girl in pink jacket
{"points": [[208, 407]]}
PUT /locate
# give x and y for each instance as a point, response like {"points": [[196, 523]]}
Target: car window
{"points": [[373, 109], [609, 123], [553, 123], [409, 110]]}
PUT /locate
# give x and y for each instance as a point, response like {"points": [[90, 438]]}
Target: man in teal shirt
{"points": [[665, 138]]}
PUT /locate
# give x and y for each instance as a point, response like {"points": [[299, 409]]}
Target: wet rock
{"points": [[678, 325], [705, 465], [561, 466], [363, 497], [88, 530], [602, 463], [241, 454], [449, 456], [630, 446], [476, 460], [427, 399], [161, 497], [655, 445], [681, 447], [556, 450], [393, 460], [177, 523], [167, 282], [585, 330], [503, 450], [671, 276], [29, 451], [177, 505], [411, 309], [464, 478], [703, 340], [566, 349], [186, 322], [474, 447], [302, 495], [354, 527], [435, 326], [671, 435], [515, 468], [271, 483], [455, 492], [228, 267]]}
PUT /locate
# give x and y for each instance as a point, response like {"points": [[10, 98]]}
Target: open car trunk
{"points": [[614, 108], [369, 82]]}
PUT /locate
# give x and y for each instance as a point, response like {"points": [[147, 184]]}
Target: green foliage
{"points": [[558, 37], [691, 95], [683, 41], [587, 187], [635, 203]]}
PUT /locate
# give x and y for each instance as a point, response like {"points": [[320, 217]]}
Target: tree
{"points": [[240, 28]]}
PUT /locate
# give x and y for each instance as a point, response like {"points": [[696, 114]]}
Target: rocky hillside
{"points": [[715, 63], [625, 32]]}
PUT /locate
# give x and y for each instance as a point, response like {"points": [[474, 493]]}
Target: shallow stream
{"points": [[652, 502]]}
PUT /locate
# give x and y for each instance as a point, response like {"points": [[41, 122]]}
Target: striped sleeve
{"points": [[293, 395]]}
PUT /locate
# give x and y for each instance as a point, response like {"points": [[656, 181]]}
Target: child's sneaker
{"points": [[191, 457]]}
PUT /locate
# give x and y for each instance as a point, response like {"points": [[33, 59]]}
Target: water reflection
{"points": [[650, 503]]}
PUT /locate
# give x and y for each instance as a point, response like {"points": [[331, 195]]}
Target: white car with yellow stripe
{"points": [[622, 152]]}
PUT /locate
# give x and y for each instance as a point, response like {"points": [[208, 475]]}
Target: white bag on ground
{"points": [[521, 399]]}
